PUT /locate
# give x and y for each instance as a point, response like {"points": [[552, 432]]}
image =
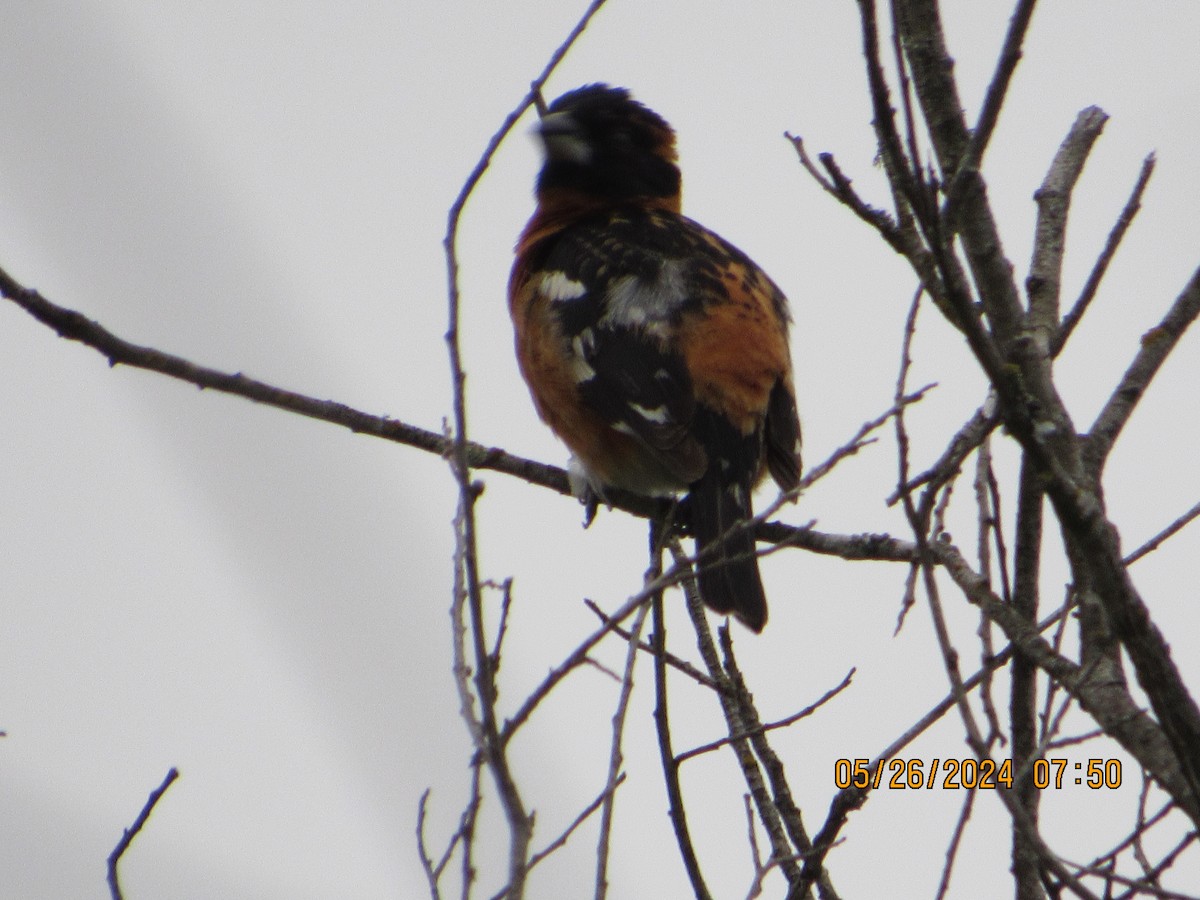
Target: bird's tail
{"points": [[728, 576]]}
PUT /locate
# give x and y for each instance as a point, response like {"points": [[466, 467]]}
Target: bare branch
{"points": [[492, 747], [576, 658], [858, 441], [1157, 344], [1170, 531], [463, 835], [760, 870], [1132, 205], [960, 828], [566, 833], [838, 186], [74, 326], [675, 662], [825, 184], [603, 797], [663, 726], [778, 815], [1109, 704], [770, 726], [777, 809], [131, 832], [920, 25], [427, 865], [973, 432], [1054, 202], [616, 757], [533, 98], [1023, 691], [891, 148], [991, 529], [989, 113]]}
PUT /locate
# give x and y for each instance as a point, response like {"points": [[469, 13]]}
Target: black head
{"points": [[601, 142]]}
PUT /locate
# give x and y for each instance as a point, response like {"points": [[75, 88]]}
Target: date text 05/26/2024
{"points": [[972, 774]]}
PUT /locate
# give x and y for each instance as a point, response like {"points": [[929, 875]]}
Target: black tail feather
{"points": [[728, 576]]}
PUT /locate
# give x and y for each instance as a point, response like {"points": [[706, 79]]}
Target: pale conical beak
{"points": [[563, 140]]}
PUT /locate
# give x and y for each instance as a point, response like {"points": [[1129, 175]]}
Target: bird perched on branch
{"points": [[656, 350]]}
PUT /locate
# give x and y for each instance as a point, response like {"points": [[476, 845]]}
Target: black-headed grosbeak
{"points": [[656, 350]]}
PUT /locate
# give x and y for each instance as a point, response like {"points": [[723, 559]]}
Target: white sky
{"points": [[189, 580]]}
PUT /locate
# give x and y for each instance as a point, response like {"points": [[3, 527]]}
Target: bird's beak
{"points": [[563, 139]]}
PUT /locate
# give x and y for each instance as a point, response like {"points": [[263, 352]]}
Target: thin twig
{"points": [[427, 865], [858, 441], [605, 795], [1139, 886], [989, 113], [990, 528], [760, 870], [505, 589], [576, 658], [1143, 824], [1156, 346], [675, 662], [759, 764], [965, 441], [1076, 740], [1170, 531], [891, 149], [566, 833], [466, 828], [770, 726], [1092, 285], [114, 885], [960, 828], [662, 724], [461, 672], [838, 186], [615, 756], [910, 119]]}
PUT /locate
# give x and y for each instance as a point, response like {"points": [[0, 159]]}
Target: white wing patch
{"points": [[658, 415], [642, 303], [581, 369], [557, 287]]}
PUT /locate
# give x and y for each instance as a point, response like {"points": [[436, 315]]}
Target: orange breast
{"points": [[736, 349]]}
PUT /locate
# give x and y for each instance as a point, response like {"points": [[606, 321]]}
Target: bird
{"points": [[653, 348]]}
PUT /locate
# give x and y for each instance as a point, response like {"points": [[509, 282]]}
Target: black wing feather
{"points": [[622, 326]]}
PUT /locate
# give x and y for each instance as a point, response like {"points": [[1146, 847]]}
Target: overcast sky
{"points": [[189, 580]]}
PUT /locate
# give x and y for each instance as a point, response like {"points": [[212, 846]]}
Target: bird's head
{"points": [[601, 143]]}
